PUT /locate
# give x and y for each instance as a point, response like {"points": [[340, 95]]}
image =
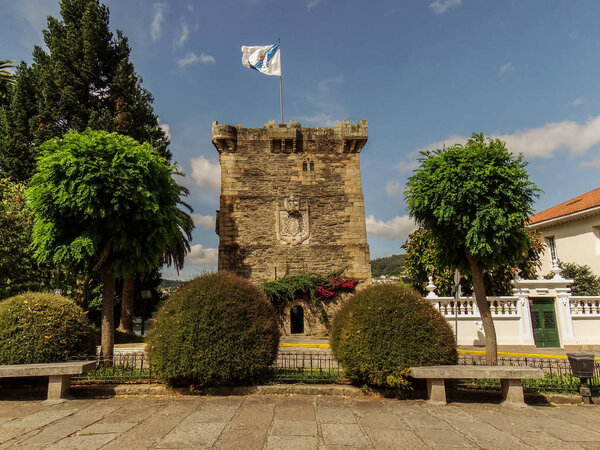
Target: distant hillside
{"points": [[170, 285], [389, 265]]}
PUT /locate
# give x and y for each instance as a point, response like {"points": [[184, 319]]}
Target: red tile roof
{"points": [[585, 201]]}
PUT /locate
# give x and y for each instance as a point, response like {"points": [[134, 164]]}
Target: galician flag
{"points": [[266, 59]]}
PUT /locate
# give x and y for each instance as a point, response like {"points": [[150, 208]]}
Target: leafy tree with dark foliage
{"points": [[584, 280], [474, 200], [421, 263], [104, 201], [19, 271], [85, 80]]}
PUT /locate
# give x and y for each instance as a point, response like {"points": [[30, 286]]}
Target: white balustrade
{"points": [[585, 305], [467, 306]]}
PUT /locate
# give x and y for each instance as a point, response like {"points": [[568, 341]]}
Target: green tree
{"points": [[421, 263], [104, 200], [584, 280], [6, 78], [19, 272], [474, 200], [84, 80]]}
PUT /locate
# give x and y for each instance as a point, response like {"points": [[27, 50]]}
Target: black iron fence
{"points": [[305, 368], [121, 368], [312, 367], [558, 376], [288, 367]]}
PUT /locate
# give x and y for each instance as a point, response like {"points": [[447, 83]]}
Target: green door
{"points": [[543, 321]]}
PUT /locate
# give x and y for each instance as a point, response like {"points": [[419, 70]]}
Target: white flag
{"points": [[266, 59]]}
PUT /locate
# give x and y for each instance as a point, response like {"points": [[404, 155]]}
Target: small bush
{"points": [[42, 327], [584, 280], [218, 329], [385, 329]]}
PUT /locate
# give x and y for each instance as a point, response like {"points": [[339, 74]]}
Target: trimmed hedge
{"points": [[218, 329], [385, 329], [42, 327]]}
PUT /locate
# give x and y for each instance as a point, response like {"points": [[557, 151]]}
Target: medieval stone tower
{"points": [[291, 200]]}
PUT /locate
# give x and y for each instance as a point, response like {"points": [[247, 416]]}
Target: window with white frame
{"points": [[552, 246]]}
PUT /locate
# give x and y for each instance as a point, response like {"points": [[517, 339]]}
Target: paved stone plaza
{"points": [[291, 422]]}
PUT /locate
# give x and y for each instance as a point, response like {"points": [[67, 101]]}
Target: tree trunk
{"points": [[491, 346], [85, 292], [126, 323], [108, 314]]}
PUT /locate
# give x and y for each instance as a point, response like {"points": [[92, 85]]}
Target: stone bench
{"points": [[59, 374], [510, 379]]}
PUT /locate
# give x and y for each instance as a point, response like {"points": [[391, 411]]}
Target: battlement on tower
{"points": [[292, 138], [291, 200]]}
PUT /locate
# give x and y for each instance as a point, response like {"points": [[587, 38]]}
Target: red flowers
{"points": [[335, 285], [326, 293]]}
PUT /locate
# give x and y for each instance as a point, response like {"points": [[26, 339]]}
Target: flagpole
{"points": [[280, 86]]}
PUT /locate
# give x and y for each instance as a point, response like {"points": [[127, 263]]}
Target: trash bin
{"points": [[582, 366]]}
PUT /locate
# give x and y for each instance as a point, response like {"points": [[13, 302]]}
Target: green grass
{"points": [[550, 384], [121, 337]]}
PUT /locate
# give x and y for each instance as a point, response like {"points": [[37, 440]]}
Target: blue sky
{"points": [[422, 72]]}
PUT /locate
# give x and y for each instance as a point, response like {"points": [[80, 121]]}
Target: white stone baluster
{"points": [[431, 288]]}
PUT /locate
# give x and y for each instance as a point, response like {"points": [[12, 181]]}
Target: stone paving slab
{"points": [[292, 422]]}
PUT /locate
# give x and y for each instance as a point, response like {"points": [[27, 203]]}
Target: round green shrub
{"points": [[384, 330], [218, 329], [40, 327]]}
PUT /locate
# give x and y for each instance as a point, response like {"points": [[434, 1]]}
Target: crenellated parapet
{"points": [[275, 137], [224, 137], [353, 135]]}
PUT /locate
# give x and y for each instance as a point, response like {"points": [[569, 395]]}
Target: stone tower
{"points": [[291, 200]]}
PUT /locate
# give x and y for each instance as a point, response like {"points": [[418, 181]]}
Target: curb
{"points": [[525, 355], [142, 390]]}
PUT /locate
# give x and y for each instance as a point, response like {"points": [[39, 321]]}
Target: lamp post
{"points": [[582, 367]]}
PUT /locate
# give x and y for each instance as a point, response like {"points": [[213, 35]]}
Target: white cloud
{"points": [[312, 3], [579, 102], [156, 25], [201, 256], [207, 222], [319, 119], [205, 59], [394, 187], [166, 128], [505, 68], [192, 58], [35, 12], [183, 35], [441, 6], [206, 173], [325, 84], [544, 141], [408, 165], [397, 228]]}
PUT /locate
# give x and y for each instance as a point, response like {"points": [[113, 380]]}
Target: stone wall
{"points": [[291, 200]]}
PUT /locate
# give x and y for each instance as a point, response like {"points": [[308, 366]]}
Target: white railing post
{"points": [[525, 313], [563, 309]]}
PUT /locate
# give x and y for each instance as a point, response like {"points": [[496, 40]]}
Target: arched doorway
{"points": [[296, 319]]}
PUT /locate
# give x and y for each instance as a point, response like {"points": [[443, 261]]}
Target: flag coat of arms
{"points": [[265, 59]]}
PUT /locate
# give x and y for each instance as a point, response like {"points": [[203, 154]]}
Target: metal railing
{"points": [[121, 368], [305, 368], [288, 367], [558, 376]]}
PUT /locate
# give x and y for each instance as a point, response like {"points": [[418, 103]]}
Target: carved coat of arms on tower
{"points": [[292, 221]]}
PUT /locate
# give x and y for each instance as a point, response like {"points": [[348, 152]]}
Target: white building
{"points": [[571, 231], [541, 313]]}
